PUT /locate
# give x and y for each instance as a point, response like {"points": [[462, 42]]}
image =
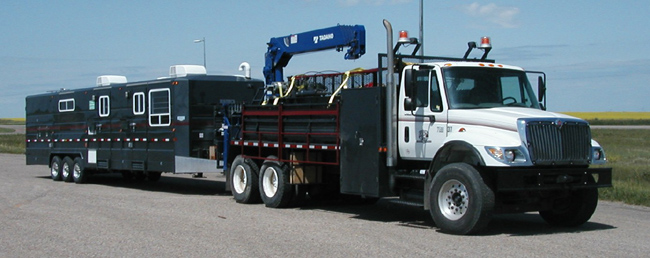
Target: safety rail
{"points": [[286, 128]]}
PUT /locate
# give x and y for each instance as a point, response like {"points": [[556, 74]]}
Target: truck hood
{"points": [[502, 117]]}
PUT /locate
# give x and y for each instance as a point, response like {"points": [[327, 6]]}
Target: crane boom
{"points": [[281, 49]]}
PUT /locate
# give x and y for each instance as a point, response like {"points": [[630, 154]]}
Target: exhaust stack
{"points": [[391, 106]]}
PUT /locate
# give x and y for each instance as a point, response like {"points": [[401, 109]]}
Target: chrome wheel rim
{"points": [[55, 170], [65, 172], [453, 200], [76, 171]]}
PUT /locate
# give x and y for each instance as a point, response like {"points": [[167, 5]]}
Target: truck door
{"points": [[423, 122]]}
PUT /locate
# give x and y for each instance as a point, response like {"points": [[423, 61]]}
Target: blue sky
{"points": [[594, 52]]}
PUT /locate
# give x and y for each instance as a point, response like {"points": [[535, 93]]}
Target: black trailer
{"points": [[171, 124]]}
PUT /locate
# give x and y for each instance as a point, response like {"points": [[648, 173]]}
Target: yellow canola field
{"points": [[14, 119], [610, 115]]}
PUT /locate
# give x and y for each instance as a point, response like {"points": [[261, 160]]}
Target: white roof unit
{"points": [[107, 80], [186, 70]]}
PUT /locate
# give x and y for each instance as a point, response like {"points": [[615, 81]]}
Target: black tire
{"points": [[127, 175], [154, 176], [139, 176], [573, 210], [55, 168], [66, 169], [79, 173], [274, 187], [244, 180], [461, 202]]}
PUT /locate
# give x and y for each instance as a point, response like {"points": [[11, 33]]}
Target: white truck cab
{"points": [[486, 105]]}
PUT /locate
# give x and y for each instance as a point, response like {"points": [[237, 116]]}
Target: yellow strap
{"points": [[276, 100], [344, 84]]}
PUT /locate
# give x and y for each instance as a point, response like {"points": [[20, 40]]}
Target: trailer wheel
{"points": [[127, 175], [243, 180], [573, 210], [153, 176], [66, 169], [274, 185], [79, 173], [461, 203], [55, 168], [139, 175]]}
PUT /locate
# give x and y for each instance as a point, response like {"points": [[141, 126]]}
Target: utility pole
{"points": [[421, 28], [199, 41]]}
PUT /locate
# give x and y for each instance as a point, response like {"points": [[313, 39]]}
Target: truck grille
{"points": [[559, 142]]}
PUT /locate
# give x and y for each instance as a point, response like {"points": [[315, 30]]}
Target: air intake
{"points": [[108, 80], [186, 70]]}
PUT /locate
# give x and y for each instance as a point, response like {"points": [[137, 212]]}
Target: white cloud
{"points": [[503, 16]]}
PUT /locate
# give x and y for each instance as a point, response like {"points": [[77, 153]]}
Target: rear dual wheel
{"points": [[276, 192], [244, 180]]}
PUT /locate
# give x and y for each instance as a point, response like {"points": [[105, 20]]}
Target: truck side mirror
{"points": [[408, 104], [541, 88], [409, 83]]}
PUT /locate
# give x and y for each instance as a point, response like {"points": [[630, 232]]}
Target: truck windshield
{"points": [[479, 87]]}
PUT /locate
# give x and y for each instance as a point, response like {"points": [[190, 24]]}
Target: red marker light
{"points": [[403, 37], [485, 43]]}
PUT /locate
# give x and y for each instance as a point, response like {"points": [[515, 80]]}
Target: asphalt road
{"points": [[184, 217]]}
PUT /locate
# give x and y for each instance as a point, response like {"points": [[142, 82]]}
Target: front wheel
{"points": [[573, 210], [461, 202]]}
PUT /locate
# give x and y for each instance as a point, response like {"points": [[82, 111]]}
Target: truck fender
{"points": [[450, 152]]}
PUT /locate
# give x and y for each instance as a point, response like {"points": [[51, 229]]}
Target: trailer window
{"points": [[159, 107], [104, 106], [66, 105], [138, 103]]}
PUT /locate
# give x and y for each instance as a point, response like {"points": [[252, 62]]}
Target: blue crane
{"points": [[281, 49]]}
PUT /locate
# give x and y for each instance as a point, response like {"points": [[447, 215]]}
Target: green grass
{"points": [[6, 130], [628, 153], [12, 143]]}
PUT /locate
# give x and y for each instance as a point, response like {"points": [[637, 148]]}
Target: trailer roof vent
{"points": [[186, 70], [107, 80]]}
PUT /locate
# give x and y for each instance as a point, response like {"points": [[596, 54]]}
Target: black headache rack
{"points": [[402, 60]]}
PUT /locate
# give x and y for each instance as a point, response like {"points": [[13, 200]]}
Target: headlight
{"points": [[506, 155], [598, 155]]}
